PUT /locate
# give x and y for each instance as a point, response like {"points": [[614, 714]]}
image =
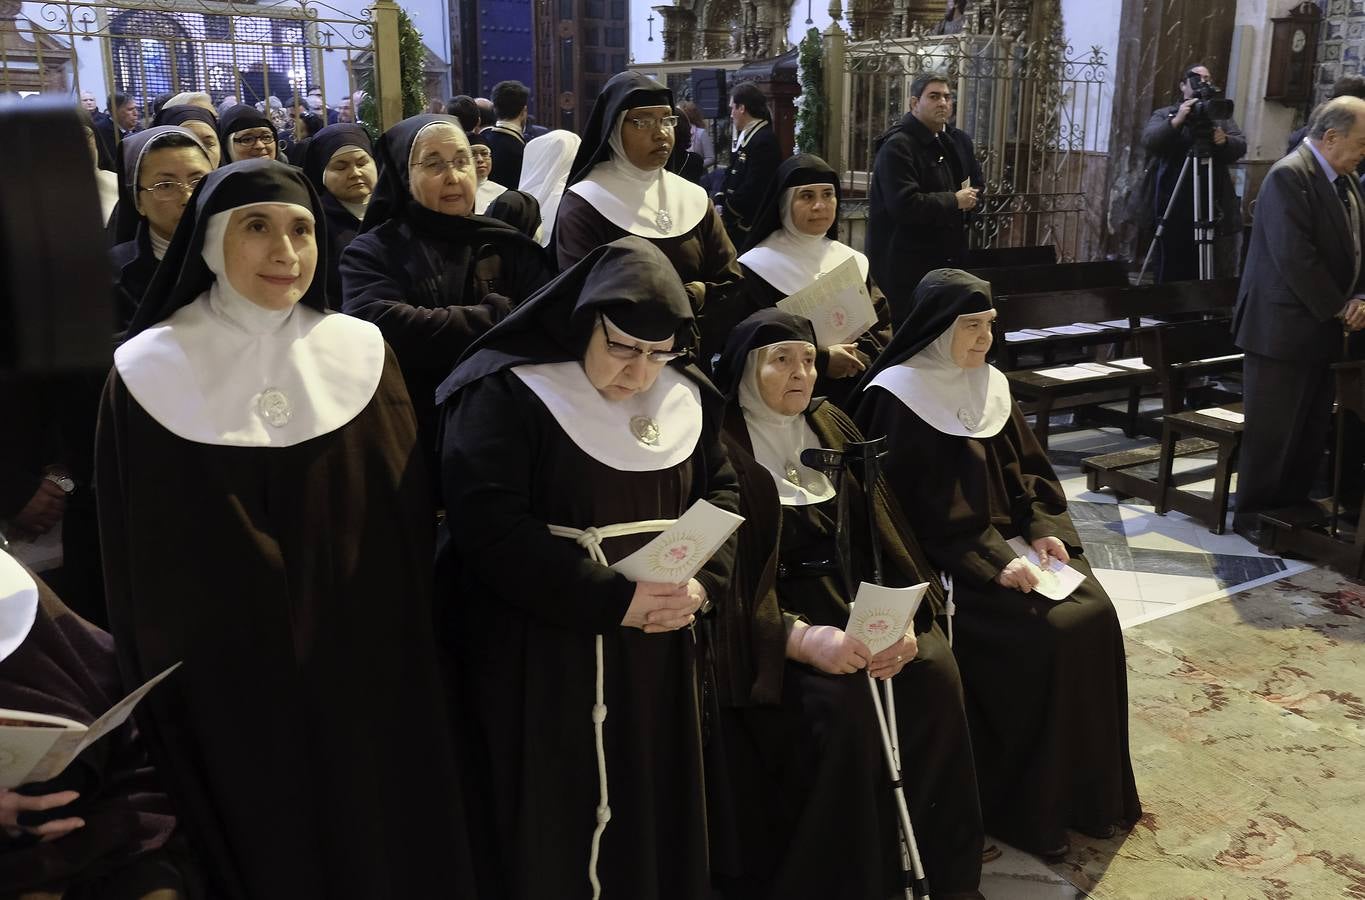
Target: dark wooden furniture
{"points": [[1060, 277], [981, 257], [1226, 437]]}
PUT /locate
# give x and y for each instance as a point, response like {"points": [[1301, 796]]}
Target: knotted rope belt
{"points": [[590, 539]]}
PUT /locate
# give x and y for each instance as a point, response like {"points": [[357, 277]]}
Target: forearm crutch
{"points": [[834, 463]]}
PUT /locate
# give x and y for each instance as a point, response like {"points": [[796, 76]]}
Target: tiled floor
{"points": [[1152, 565]]}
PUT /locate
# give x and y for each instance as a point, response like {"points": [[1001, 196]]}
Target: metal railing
{"points": [[224, 48]]}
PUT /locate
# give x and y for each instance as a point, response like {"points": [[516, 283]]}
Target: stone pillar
{"points": [[836, 113]]}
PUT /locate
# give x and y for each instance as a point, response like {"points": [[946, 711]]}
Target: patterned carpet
{"points": [[1248, 738]]}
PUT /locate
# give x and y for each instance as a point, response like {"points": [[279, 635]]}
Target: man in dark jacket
{"points": [[754, 159], [1168, 137], [924, 181], [1303, 287], [507, 138]]}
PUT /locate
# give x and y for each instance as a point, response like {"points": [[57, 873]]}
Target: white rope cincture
{"points": [[949, 608], [590, 539]]}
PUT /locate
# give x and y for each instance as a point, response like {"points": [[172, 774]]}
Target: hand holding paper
{"points": [[1055, 579], [679, 553], [880, 616]]}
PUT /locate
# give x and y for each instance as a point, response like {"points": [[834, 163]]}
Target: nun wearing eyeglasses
{"points": [[619, 185], [265, 516], [794, 241], [161, 167], [247, 133], [573, 433], [425, 268], [803, 764], [1045, 680]]}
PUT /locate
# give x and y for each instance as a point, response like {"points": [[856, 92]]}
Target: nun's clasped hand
{"points": [[830, 649], [657, 608], [1017, 575], [845, 361], [1049, 548], [889, 662]]}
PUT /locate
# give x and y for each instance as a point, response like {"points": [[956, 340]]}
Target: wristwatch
{"points": [[62, 480]]}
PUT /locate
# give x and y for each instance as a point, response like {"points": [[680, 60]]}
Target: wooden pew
{"points": [[981, 257], [1040, 394], [1060, 277]]}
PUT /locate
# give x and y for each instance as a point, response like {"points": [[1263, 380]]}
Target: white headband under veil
{"points": [[778, 439], [965, 402]]}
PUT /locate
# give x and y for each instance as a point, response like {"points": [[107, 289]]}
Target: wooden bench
{"points": [[1179, 354], [981, 257], [1060, 277], [1041, 394]]}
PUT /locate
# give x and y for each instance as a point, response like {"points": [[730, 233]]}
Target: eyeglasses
{"points": [[435, 167], [632, 351], [248, 140], [481, 152], [172, 190], [654, 124]]}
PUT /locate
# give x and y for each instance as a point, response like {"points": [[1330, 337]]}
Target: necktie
{"points": [[1343, 192]]}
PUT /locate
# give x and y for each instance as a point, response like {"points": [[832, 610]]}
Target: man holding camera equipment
{"points": [[1303, 287], [1199, 214]]}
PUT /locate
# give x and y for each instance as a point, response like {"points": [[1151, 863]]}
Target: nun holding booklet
{"points": [[574, 432]]}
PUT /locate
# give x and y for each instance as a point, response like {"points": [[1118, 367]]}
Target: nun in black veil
{"points": [[339, 161], [265, 515], [160, 168], [573, 433], [811, 799], [197, 121], [1046, 685], [428, 271], [620, 185], [795, 240]]}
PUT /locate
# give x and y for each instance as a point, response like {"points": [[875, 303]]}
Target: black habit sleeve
{"points": [[1039, 504]]}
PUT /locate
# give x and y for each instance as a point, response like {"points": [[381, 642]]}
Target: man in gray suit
{"points": [[1303, 287]]}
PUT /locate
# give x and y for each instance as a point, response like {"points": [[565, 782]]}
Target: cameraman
{"points": [[1168, 137]]}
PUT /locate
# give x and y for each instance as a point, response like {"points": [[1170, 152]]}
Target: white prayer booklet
{"points": [[679, 552], [880, 616], [1227, 415], [1057, 580], [1135, 363], [1098, 368], [36, 747], [836, 303], [1068, 329], [1067, 373]]}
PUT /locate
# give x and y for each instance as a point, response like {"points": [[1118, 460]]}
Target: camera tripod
{"points": [[1199, 163]]}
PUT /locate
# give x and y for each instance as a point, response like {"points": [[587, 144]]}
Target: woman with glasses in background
{"points": [[428, 271], [619, 185], [569, 432], [160, 169], [247, 133]]}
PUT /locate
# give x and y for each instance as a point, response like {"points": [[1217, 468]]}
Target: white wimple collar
{"points": [[657, 429], [488, 191], [18, 604], [216, 372]]}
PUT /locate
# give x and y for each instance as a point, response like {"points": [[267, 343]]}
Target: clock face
{"points": [[1299, 41]]}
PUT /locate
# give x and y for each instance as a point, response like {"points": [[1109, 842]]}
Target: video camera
{"points": [[1211, 105]]}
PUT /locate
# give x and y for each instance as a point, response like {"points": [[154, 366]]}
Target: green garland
{"points": [[412, 62], [810, 117]]}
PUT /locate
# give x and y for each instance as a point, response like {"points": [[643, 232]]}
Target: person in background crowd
{"points": [[1046, 683], [428, 271], [954, 18], [1168, 137], [105, 181], [620, 185], [684, 162], [300, 497], [340, 164], [119, 122], [754, 157], [245, 133], [580, 415], [198, 122], [803, 759], [489, 190], [545, 171], [923, 186], [794, 241], [161, 168], [345, 112], [1303, 290], [192, 98], [487, 115], [506, 137], [466, 111], [89, 103], [702, 144]]}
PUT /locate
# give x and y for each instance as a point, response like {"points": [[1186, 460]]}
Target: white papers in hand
{"points": [[1056, 580], [880, 616], [836, 303], [679, 552], [36, 747]]}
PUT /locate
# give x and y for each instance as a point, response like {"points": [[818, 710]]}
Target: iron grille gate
{"points": [[227, 49], [1033, 110]]}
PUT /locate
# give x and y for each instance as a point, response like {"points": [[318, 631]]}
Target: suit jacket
{"points": [[751, 169], [1301, 265], [508, 148], [914, 224]]}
